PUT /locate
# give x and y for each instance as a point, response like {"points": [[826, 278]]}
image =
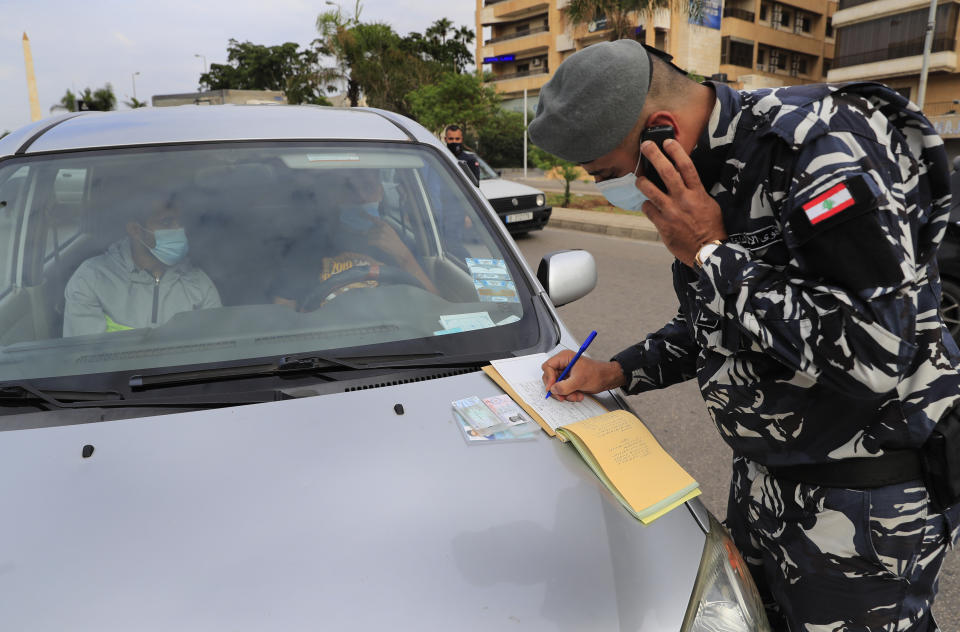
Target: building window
{"points": [[826, 66], [895, 37], [736, 53], [904, 92], [784, 18], [798, 65], [523, 28], [760, 55], [829, 30], [802, 23], [763, 12], [776, 15], [660, 38]]}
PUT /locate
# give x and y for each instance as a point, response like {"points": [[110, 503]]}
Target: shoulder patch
{"points": [[829, 204]]}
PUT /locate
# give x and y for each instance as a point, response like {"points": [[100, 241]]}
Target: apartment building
{"points": [[520, 42], [772, 44], [882, 40], [749, 43]]}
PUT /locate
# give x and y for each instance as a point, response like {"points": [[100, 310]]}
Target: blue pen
{"points": [[583, 347]]}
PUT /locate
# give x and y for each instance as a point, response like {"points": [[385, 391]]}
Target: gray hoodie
{"points": [[109, 293]]}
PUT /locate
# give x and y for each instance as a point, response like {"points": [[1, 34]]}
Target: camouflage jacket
{"points": [[814, 331]]}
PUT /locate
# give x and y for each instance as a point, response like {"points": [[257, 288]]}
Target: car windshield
{"points": [[132, 259], [486, 171]]}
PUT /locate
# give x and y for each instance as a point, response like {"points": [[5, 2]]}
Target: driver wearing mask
{"points": [[360, 237], [141, 280]]}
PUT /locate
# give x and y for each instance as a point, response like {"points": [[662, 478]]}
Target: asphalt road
{"points": [[634, 295]]}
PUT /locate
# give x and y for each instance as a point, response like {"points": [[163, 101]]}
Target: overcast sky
{"points": [[83, 43]]}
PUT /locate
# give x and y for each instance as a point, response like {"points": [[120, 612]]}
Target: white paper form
{"points": [[523, 374]]}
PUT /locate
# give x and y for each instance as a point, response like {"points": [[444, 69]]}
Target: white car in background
{"points": [[522, 208]]}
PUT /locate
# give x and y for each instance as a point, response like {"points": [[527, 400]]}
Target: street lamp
{"points": [[133, 78], [203, 57]]}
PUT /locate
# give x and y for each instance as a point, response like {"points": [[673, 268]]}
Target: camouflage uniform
{"points": [[815, 336]]}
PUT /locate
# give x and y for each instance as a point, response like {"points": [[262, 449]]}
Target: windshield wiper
{"points": [[323, 366], [285, 366], [18, 392]]}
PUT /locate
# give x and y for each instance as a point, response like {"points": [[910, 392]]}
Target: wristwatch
{"points": [[705, 251]]}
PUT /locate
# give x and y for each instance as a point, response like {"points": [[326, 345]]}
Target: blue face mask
{"points": [[358, 216], [171, 245], [622, 192]]}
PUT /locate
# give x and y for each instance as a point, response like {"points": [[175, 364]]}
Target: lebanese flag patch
{"points": [[828, 204]]}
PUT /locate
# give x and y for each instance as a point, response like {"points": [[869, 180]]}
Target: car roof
{"points": [[196, 123]]}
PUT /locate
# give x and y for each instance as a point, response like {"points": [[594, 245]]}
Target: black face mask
{"points": [[456, 148]]}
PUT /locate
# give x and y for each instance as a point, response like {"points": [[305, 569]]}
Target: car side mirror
{"points": [[470, 174], [567, 275]]}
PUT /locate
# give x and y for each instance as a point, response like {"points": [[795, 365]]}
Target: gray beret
{"points": [[592, 101]]}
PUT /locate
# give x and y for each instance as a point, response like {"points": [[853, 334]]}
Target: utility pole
{"points": [[133, 78], [524, 133], [927, 45], [31, 80]]}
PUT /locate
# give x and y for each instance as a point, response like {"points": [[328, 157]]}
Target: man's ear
{"points": [[663, 117]]}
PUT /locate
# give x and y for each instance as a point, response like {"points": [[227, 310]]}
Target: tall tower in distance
{"points": [[31, 80]]}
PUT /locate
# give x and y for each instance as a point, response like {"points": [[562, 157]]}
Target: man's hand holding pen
{"points": [[587, 376]]}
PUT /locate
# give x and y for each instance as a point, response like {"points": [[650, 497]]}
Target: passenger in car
{"points": [[141, 280], [353, 234]]}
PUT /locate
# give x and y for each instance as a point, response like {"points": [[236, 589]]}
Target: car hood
{"points": [[331, 512], [499, 188]]}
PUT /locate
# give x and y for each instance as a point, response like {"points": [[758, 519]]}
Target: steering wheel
{"points": [[382, 274]]}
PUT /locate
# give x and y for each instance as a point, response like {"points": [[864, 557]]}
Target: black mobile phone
{"points": [[658, 134]]}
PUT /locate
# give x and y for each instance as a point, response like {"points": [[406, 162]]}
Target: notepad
{"points": [[623, 454], [520, 378], [616, 445]]}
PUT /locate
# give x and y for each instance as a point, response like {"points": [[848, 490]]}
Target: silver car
{"points": [[230, 340]]}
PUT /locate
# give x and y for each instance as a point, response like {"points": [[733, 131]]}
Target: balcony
{"points": [[517, 75], [510, 36], [908, 49], [740, 14]]}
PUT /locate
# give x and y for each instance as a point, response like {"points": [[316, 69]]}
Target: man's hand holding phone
{"points": [[684, 214]]}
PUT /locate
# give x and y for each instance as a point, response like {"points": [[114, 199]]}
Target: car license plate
{"points": [[519, 217]]}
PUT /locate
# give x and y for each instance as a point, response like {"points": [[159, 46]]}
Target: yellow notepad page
{"points": [[625, 456]]}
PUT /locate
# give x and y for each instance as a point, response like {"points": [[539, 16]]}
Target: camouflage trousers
{"points": [[827, 559]]}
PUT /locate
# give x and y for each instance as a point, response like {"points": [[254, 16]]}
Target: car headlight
{"points": [[540, 200], [724, 598]]}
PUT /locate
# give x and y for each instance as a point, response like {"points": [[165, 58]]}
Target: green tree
{"points": [[384, 69], [372, 60], [285, 67], [100, 100], [68, 102], [567, 170], [619, 14], [135, 103], [333, 27], [501, 138], [445, 44], [463, 99]]}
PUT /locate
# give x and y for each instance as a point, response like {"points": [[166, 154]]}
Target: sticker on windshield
{"points": [[492, 280], [466, 322], [333, 157]]}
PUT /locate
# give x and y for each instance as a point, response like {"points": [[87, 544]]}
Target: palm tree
{"points": [[334, 27], [618, 12]]}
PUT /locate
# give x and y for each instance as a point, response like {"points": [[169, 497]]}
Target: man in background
{"points": [[453, 137]]}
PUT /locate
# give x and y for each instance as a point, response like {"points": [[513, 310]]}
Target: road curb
{"points": [[628, 232]]}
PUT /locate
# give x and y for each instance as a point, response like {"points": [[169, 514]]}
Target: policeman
{"points": [[453, 137], [805, 222]]}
